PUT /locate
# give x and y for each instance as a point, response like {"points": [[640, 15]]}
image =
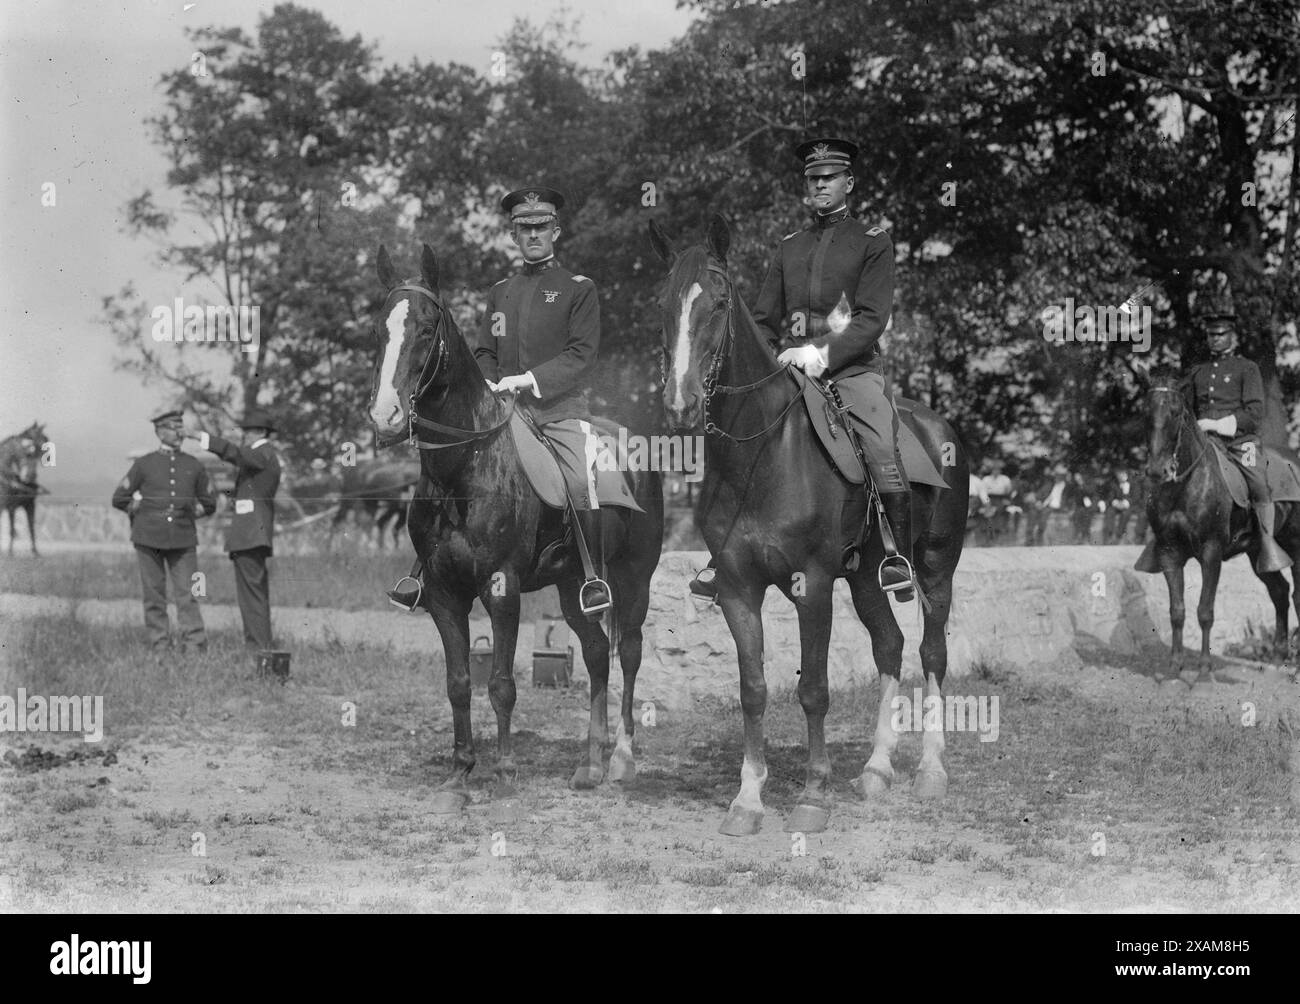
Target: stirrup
{"points": [[600, 604], [397, 591], [891, 561], [705, 585]]}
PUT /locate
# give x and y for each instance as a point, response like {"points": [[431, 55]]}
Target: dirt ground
{"points": [[1107, 790]]}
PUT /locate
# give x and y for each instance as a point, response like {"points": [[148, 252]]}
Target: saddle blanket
{"points": [[583, 464], [1282, 473], [917, 464]]}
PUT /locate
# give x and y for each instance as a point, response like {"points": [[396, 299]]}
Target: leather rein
{"points": [[433, 362], [1171, 468], [718, 357]]}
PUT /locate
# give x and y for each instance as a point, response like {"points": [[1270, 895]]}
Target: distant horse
{"points": [[481, 530], [770, 509], [1192, 515], [19, 462], [381, 489]]}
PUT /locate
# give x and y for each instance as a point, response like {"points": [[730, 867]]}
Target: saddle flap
{"points": [[613, 484], [1282, 472]]}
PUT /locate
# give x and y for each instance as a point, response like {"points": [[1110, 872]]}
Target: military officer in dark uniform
{"points": [[825, 303], [252, 524], [163, 493], [1227, 397], [538, 339]]}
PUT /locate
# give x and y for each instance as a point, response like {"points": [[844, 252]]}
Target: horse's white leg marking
{"points": [[886, 738], [386, 401], [682, 357], [622, 741], [751, 787], [932, 744]]}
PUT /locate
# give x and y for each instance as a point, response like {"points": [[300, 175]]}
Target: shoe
{"points": [[407, 593], [896, 574], [705, 584]]}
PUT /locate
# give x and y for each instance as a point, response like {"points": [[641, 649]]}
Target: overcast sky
{"points": [[77, 80]]}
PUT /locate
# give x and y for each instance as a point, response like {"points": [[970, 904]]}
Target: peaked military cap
{"points": [[256, 418], [826, 156], [168, 416], [531, 206]]}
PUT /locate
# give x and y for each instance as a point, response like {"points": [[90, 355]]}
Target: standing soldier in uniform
{"points": [[252, 525], [163, 493], [1227, 397], [840, 264], [538, 339]]}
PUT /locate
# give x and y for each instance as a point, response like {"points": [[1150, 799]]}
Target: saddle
{"points": [[1282, 473], [544, 473]]}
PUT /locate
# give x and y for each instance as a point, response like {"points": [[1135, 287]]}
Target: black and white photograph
{"points": [[667, 457]]}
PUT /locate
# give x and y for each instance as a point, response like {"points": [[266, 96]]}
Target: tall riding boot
{"points": [[594, 597], [705, 583], [896, 571], [409, 589], [1271, 558]]}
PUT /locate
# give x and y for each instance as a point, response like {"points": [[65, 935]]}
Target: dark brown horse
{"points": [[1192, 515], [480, 530], [19, 463], [379, 489], [770, 510]]}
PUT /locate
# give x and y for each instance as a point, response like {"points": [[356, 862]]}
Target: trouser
{"points": [[181, 563], [576, 445], [252, 588], [1248, 455], [876, 423]]}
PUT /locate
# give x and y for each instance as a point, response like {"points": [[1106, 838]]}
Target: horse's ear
{"points": [[719, 236], [429, 267], [660, 242], [384, 266]]}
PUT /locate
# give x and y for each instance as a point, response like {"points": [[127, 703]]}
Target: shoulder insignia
{"points": [[500, 281], [582, 278], [795, 234], [875, 232]]}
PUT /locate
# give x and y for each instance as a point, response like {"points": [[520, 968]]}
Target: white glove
{"points": [[808, 358], [1226, 426], [514, 384]]}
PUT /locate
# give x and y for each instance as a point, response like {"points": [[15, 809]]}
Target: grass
{"points": [[1192, 807]]}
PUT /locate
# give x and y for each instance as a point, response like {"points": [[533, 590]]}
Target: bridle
{"points": [[716, 359], [1171, 468], [433, 362]]}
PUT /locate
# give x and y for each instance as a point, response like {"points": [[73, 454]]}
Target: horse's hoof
{"points": [[872, 783], [808, 819], [930, 785], [586, 777], [447, 803], [622, 768], [741, 822]]}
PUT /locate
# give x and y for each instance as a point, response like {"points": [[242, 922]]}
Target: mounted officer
{"points": [[840, 266], [1227, 397], [538, 339]]}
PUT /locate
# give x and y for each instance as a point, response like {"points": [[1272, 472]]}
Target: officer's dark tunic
{"points": [[839, 256], [171, 484], [1231, 385], [546, 320], [252, 527]]}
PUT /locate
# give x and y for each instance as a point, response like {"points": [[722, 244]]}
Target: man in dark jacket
{"points": [[252, 524], [538, 339], [163, 493]]}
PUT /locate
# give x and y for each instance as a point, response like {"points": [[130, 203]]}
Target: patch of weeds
{"points": [[703, 875], [71, 802]]}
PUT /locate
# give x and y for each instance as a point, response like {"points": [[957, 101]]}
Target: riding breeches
{"points": [[876, 423], [576, 445], [1247, 453]]}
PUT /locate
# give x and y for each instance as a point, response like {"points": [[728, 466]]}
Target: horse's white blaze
{"points": [[682, 356], [751, 787], [388, 405]]}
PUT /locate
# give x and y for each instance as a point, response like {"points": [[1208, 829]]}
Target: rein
{"points": [[437, 355], [711, 385], [1173, 477]]}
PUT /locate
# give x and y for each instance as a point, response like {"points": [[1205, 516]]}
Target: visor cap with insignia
{"points": [[533, 206], [826, 156], [1216, 315], [172, 416]]}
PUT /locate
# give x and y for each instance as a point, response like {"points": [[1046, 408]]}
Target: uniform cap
{"points": [[826, 156], [170, 417], [531, 206]]}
